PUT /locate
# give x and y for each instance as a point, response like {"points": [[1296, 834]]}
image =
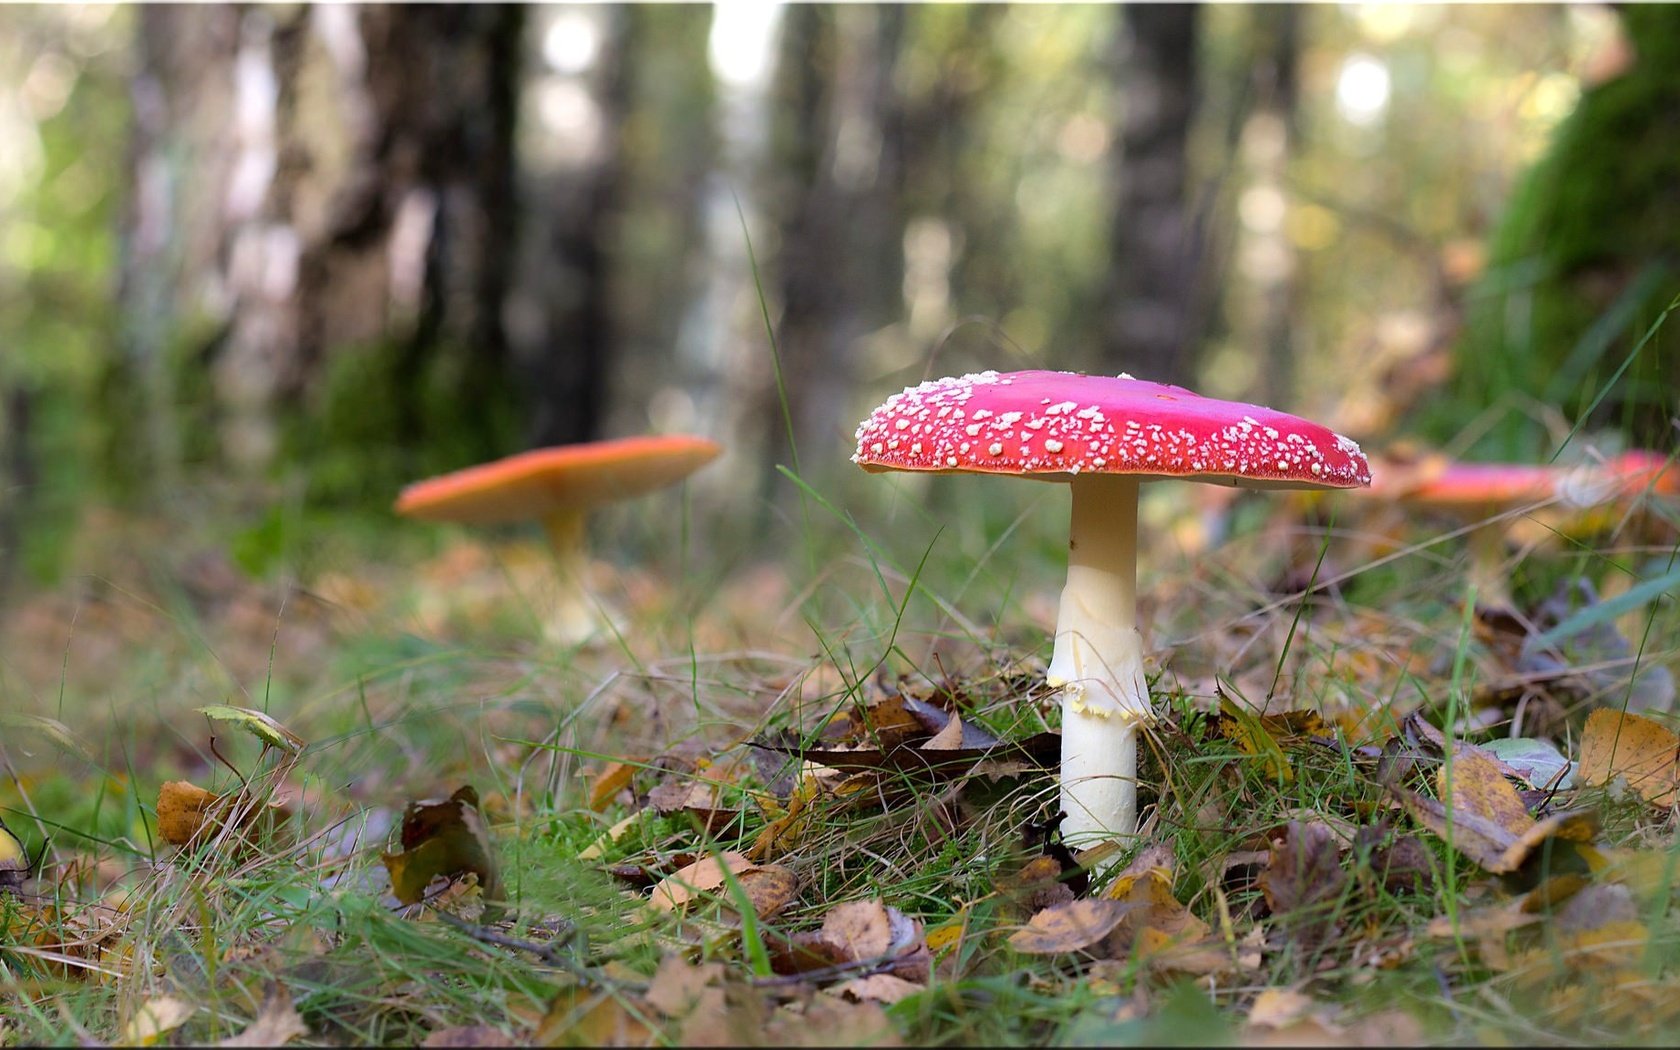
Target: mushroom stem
{"points": [[1098, 663], [575, 618], [1487, 562]]}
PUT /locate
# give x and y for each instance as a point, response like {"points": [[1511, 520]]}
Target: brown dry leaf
{"points": [[156, 1018], [442, 838], [183, 809], [829, 1020], [583, 1017], [878, 987], [1282, 1017], [276, 1024], [1484, 922], [1278, 1007], [947, 739], [1038, 885], [886, 723], [613, 778], [769, 888], [862, 932], [1602, 950], [679, 987], [1475, 783], [1069, 927], [702, 876], [1633, 748], [865, 930], [697, 796], [1304, 882]]}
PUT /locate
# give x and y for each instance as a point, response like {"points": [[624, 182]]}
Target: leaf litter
{"points": [[779, 886]]}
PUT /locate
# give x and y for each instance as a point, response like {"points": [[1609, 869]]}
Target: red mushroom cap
{"points": [[1056, 425], [1485, 484], [1639, 469], [568, 477]]}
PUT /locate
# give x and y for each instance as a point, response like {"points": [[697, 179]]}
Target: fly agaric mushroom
{"points": [[558, 486], [1482, 493], [1102, 435]]}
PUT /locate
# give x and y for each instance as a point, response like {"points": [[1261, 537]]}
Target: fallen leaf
{"points": [[703, 876], [864, 932], [829, 1020], [1277, 1007], [699, 797], [585, 1017], [678, 986], [1039, 751], [1540, 763], [1304, 883], [613, 778], [156, 1018], [769, 888], [1036, 886], [1648, 873], [948, 739], [183, 809], [1069, 927], [442, 838], [278, 1023], [1254, 737], [878, 988], [1487, 820], [1630, 747]]}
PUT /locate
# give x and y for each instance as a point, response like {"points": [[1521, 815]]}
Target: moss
{"points": [[1584, 259], [385, 414]]}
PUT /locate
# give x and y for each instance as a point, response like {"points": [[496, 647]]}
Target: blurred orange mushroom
{"points": [[558, 487]]}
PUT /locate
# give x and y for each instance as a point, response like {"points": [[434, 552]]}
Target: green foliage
{"points": [[391, 413]]}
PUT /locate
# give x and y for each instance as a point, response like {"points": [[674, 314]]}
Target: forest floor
{"points": [[812, 802]]}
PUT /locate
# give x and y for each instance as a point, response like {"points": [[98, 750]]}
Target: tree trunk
{"points": [[324, 235], [1154, 258], [840, 145], [1266, 255], [563, 302]]}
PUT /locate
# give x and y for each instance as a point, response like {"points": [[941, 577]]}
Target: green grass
{"points": [[435, 677]]}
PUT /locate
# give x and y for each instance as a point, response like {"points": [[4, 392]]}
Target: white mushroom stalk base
{"points": [[1098, 664], [578, 616]]}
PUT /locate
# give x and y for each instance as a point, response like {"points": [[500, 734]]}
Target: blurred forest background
{"points": [[267, 263]]}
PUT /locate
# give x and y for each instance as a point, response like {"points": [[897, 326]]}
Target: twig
{"points": [[855, 968], [549, 953]]}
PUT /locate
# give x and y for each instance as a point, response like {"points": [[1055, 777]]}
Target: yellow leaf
{"points": [[1634, 748], [608, 782], [705, 874], [182, 811], [156, 1018], [1252, 736]]}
